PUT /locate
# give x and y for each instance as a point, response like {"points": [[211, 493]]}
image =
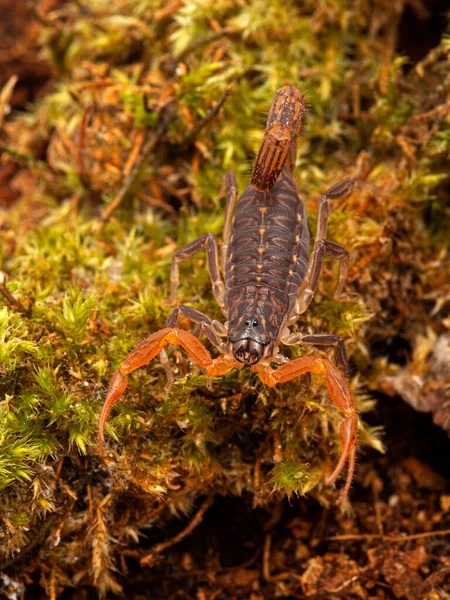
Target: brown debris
{"points": [[19, 50], [332, 574], [425, 382]]}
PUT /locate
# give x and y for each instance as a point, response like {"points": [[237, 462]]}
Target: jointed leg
{"points": [[212, 330], [231, 187], [146, 351], [209, 242], [340, 394], [333, 193], [340, 351], [322, 248]]}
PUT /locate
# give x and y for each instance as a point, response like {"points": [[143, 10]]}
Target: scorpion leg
{"points": [[209, 242], [340, 351], [230, 184], [146, 351], [321, 339], [322, 248], [341, 396], [211, 328], [333, 193]]}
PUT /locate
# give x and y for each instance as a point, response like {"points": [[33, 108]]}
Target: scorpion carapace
{"points": [[270, 280]]}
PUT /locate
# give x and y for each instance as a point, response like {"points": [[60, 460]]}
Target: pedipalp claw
{"points": [[341, 396], [146, 351], [349, 436], [116, 388]]}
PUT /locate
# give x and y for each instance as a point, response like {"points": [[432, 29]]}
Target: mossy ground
{"points": [[124, 113]]}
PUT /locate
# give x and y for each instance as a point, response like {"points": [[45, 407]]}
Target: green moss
{"points": [[14, 342], [289, 477], [75, 315]]}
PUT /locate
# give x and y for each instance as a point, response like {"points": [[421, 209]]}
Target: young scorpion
{"points": [[270, 280]]}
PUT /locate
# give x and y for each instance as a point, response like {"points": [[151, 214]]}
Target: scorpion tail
{"points": [[278, 147]]}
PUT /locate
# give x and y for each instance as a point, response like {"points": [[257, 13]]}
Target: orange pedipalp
{"points": [[141, 355], [192, 345], [145, 352], [338, 387], [116, 388], [341, 396]]}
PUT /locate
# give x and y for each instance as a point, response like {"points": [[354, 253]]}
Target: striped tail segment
{"points": [[282, 128]]}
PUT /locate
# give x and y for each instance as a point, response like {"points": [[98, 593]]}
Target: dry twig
{"points": [[17, 304], [396, 539], [198, 517], [146, 147], [207, 118]]}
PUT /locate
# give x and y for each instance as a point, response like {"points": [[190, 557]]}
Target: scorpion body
{"points": [[270, 280], [269, 242], [266, 263]]}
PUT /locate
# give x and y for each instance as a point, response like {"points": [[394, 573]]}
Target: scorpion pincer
{"points": [[270, 280]]}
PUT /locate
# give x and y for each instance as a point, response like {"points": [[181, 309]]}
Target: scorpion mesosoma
{"points": [[270, 280]]}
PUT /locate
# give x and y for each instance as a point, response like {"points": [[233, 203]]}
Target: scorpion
{"points": [[270, 280]]}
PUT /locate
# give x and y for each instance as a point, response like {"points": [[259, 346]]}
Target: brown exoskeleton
{"points": [[270, 280]]}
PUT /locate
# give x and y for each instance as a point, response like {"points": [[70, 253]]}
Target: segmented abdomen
{"points": [[269, 242]]}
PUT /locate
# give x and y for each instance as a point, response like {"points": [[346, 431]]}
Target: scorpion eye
{"points": [[251, 323]]}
